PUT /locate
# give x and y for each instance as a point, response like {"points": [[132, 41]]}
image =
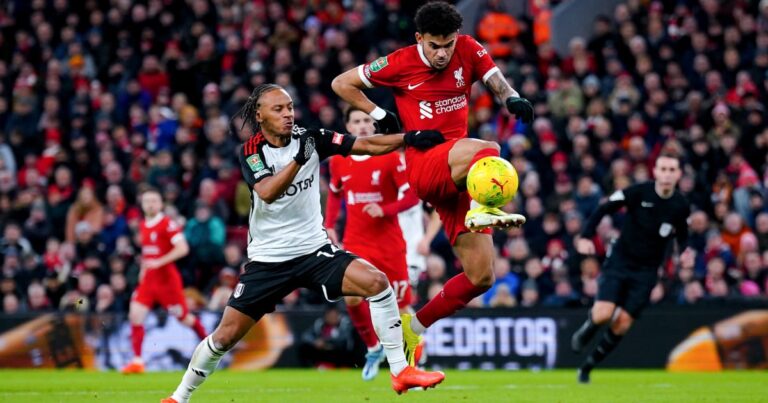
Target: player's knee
{"points": [[223, 340], [135, 317], [377, 283], [480, 145], [601, 314], [622, 323], [482, 280], [491, 145]]}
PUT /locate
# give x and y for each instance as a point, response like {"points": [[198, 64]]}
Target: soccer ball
{"points": [[492, 181]]}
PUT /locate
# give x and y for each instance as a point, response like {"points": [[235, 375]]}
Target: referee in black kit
{"points": [[655, 213]]}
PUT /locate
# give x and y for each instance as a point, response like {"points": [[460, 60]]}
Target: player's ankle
{"points": [[375, 348], [416, 326], [137, 360]]}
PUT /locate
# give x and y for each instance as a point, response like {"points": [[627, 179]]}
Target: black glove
{"points": [[521, 108], [388, 124], [423, 138], [306, 146]]}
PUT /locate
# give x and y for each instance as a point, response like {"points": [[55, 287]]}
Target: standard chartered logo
{"points": [[425, 110]]}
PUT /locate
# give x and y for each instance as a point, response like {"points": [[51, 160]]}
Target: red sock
{"points": [[199, 329], [455, 295], [485, 152], [360, 315], [137, 337]]}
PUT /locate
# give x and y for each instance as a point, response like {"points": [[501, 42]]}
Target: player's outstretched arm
{"points": [[520, 107], [382, 144]]}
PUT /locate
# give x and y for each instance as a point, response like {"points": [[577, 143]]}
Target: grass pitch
{"points": [[337, 386]]}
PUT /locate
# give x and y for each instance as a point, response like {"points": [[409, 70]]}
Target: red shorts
{"points": [[165, 290], [429, 175], [393, 265]]}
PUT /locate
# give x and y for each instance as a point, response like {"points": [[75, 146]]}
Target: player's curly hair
{"points": [[438, 18], [248, 111]]}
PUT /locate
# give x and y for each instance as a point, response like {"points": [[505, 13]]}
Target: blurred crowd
{"points": [[100, 99]]}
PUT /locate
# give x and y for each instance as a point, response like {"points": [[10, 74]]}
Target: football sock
{"points": [[455, 295], [137, 338], [360, 315], [199, 329], [587, 330], [204, 361], [607, 344], [386, 321]]}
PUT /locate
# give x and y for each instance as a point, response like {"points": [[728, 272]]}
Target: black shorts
{"points": [[626, 284], [264, 284]]}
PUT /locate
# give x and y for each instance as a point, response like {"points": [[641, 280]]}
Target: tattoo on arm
{"points": [[499, 86]]}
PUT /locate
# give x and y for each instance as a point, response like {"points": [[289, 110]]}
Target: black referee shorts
{"points": [[626, 284], [264, 284]]}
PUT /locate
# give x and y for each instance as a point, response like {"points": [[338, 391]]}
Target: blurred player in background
{"points": [[655, 213], [431, 82], [288, 247], [162, 244], [370, 186]]}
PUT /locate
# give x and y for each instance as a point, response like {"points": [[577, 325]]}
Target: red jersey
{"points": [[362, 180], [158, 237], [427, 98]]}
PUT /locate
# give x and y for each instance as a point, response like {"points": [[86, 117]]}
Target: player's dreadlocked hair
{"points": [[438, 18], [248, 111]]}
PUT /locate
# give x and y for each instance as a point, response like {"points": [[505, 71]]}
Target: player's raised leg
{"points": [[463, 155], [360, 315], [137, 313], [362, 279], [476, 253], [234, 325]]}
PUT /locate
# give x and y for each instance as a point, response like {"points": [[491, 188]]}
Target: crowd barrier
{"points": [[733, 336]]}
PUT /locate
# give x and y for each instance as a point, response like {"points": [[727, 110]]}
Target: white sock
{"points": [[204, 361], [386, 322], [416, 326], [374, 348]]}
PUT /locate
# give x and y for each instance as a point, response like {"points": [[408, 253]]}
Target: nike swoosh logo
{"points": [[346, 178], [410, 87]]}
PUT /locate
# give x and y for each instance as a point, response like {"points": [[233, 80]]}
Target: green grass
{"points": [[339, 386]]}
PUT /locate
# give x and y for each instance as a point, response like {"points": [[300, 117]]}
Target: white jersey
{"points": [[292, 225]]}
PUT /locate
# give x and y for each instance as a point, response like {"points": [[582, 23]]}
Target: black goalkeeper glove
{"points": [[388, 124], [423, 139], [306, 147], [521, 108]]}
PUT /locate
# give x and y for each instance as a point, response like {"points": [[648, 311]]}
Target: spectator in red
{"points": [[151, 77]]}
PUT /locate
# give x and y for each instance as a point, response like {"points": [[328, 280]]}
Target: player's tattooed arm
{"points": [[500, 87]]}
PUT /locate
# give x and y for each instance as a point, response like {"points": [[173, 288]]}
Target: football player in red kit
{"points": [[162, 244], [370, 187], [431, 82]]}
